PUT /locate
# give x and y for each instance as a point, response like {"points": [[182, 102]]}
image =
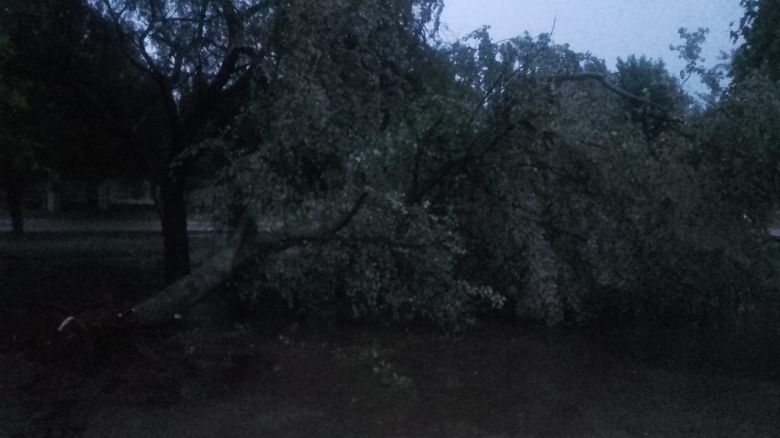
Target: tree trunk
{"points": [[174, 229], [14, 197], [246, 244], [180, 295]]}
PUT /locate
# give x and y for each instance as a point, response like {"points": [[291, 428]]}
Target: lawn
{"points": [[283, 378]]}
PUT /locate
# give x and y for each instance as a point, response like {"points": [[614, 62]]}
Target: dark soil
{"points": [[290, 379]]}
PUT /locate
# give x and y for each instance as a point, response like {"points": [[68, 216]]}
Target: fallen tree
{"points": [[246, 244]]}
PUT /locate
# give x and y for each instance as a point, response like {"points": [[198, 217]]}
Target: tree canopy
{"points": [[390, 175], [760, 49]]}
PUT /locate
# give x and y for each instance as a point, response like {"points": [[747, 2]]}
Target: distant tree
{"points": [[18, 155], [52, 51], [650, 80], [18, 161]]}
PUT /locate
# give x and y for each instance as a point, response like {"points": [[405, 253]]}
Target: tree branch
{"points": [[167, 305], [149, 68], [278, 241], [459, 164], [612, 88]]}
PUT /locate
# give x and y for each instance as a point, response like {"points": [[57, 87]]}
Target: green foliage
{"points": [[516, 174], [743, 157], [492, 180], [650, 80], [345, 108], [639, 226], [690, 52], [372, 274], [760, 50]]}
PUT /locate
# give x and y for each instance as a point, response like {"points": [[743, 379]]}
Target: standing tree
{"points": [[761, 48], [17, 152], [157, 77], [200, 56], [18, 160], [334, 78]]}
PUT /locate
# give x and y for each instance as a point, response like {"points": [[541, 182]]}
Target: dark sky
{"points": [[607, 28]]}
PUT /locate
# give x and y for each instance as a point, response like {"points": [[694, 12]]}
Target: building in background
{"points": [[60, 194]]}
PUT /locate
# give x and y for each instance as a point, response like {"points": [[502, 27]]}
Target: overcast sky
{"points": [[607, 28]]}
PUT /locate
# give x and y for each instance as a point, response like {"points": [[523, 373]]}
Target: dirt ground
{"points": [[293, 379]]}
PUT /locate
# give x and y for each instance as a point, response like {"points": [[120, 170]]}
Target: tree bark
{"points": [[173, 218]]}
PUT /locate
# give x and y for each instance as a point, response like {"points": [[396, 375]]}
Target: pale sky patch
{"points": [[607, 28]]}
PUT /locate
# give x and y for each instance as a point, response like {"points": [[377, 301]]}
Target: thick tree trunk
{"points": [[174, 229], [14, 197]]}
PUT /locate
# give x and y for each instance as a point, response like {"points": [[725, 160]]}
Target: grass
{"points": [[285, 379]]}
